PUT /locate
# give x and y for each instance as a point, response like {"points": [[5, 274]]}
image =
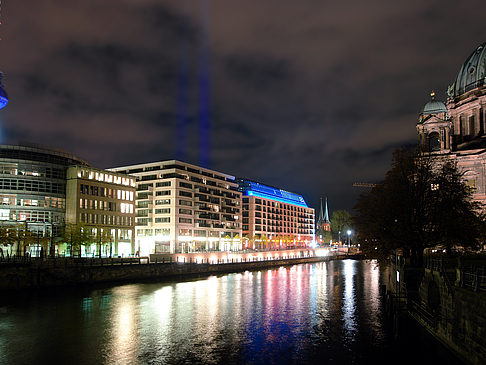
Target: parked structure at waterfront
{"points": [[457, 130], [102, 202], [182, 207], [275, 218]]}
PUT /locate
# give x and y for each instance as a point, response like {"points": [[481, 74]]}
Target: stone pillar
{"points": [[477, 121]]}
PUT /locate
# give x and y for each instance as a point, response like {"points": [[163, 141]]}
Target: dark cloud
{"points": [[309, 96]]}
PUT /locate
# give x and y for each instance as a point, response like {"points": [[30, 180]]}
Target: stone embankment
{"points": [[447, 297], [72, 272]]}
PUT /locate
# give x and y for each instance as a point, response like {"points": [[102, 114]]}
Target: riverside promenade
{"points": [[20, 274]]}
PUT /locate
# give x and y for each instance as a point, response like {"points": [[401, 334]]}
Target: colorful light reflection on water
{"points": [[315, 313]]}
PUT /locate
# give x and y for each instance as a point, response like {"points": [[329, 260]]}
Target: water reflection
{"points": [[325, 312], [349, 299]]}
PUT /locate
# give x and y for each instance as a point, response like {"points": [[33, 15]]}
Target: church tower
{"points": [[323, 223], [434, 127]]}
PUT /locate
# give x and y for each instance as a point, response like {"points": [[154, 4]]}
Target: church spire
{"points": [[326, 216], [321, 217], [323, 214]]}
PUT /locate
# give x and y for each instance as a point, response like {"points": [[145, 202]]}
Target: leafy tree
{"points": [[421, 203], [7, 237], [341, 221], [77, 235], [103, 237]]}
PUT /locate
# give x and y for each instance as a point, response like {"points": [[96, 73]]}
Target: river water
{"points": [[322, 313]]}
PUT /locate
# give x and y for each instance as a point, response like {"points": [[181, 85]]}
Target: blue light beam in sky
{"points": [[204, 85]]}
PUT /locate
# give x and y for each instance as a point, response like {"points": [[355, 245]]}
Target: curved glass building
{"points": [[33, 187]]}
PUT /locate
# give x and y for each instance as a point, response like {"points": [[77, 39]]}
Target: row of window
{"points": [[32, 201], [105, 192], [32, 170], [145, 204], [31, 216], [282, 230], [273, 204], [33, 185], [105, 205], [145, 221], [185, 232], [112, 220]]}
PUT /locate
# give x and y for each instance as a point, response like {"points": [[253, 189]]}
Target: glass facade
{"points": [[33, 187]]}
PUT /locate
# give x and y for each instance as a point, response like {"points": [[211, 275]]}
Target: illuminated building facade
{"points": [[102, 201], [184, 208], [457, 130], [33, 188], [274, 218]]}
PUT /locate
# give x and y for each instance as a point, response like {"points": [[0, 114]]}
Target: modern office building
{"points": [[33, 188], [184, 208], [457, 130], [274, 218], [103, 202]]}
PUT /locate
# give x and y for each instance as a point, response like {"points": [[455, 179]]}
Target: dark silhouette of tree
{"points": [[422, 202], [341, 221]]}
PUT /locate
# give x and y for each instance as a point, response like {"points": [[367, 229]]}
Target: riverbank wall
{"points": [[57, 273], [448, 298]]}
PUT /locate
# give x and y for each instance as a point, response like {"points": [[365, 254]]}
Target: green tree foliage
{"points": [[341, 221], [77, 235], [421, 203], [103, 237]]}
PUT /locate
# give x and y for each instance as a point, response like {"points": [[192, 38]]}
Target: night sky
{"points": [[308, 96]]}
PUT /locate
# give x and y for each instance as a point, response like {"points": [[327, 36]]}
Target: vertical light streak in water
{"points": [[124, 343], [371, 293], [162, 305], [204, 122], [349, 305]]}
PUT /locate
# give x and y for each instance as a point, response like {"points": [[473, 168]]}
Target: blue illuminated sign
{"points": [[251, 188]]}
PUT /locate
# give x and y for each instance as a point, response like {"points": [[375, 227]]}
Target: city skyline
{"points": [[309, 98]]}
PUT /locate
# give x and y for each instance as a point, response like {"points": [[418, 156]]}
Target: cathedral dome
{"points": [[472, 73], [434, 107]]}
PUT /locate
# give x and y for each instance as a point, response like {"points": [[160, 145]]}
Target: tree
{"points": [[7, 238], [103, 237], [421, 203], [340, 222], [77, 235]]}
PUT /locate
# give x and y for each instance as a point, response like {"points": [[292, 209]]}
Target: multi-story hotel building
{"points": [[274, 218], [102, 201], [185, 208]]}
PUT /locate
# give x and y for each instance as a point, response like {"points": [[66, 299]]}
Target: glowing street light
{"points": [[349, 234]]}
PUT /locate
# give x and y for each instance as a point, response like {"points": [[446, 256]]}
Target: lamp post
{"points": [[349, 235], [339, 238]]}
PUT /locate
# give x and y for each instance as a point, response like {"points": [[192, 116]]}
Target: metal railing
{"points": [[473, 277]]}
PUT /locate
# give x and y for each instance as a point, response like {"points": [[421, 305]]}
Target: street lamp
{"points": [[339, 239], [349, 234]]}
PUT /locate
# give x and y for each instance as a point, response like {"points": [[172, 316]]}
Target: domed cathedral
{"points": [[457, 130]]}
